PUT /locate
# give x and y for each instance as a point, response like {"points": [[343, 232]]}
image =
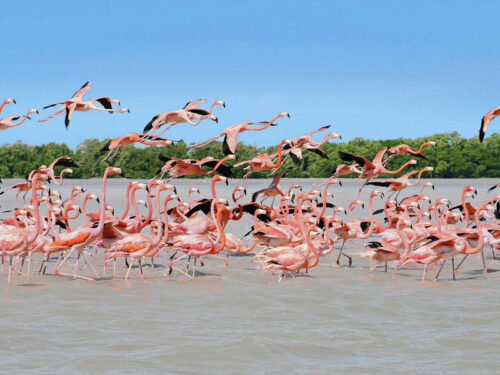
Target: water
{"points": [[236, 320]]}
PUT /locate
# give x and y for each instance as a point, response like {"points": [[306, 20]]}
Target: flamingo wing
{"points": [[79, 94], [105, 102], [361, 160], [194, 104]]}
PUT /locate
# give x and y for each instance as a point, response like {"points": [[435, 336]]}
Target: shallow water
{"points": [[237, 320]]}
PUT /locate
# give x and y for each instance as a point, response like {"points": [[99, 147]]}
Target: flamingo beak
{"points": [[14, 101], [340, 183]]}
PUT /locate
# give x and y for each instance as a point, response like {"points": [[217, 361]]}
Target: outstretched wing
{"points": [[64, 161], [361, 160], [276, 179], [149, 125], [319, 152], [79, 94], [105, 102], [194, 103], [379, 183], [222, 169], [203, 205]]}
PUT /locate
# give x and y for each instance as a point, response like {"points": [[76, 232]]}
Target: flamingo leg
{"points": [[459, 264], [425, 272], [453, 267], [91, 265], [440, 268], [485, 270], [129, 268]]}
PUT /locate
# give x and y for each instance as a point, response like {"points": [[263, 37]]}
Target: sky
{"points": [[372, 69]]}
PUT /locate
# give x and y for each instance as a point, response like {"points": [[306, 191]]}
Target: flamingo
{"points": [[401, 149], [305, 142], [76, 103], [178, 167], [197, 245], [187, 114], [9, 122], [138, 245], [131, 138], [485, 121], [85, 235], [231, 133]]}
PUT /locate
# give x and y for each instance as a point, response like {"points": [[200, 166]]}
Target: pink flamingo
{"points": [[231, 133], [9, 122], [76, 103], [187, 114], [84, 235]]}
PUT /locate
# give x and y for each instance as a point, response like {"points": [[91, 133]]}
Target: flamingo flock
{"points": [[286, 236]]}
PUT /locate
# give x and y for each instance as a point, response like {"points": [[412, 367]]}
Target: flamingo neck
{"points": [[127, 202]]}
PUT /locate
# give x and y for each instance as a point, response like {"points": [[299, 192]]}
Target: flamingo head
{"points": [[470, 188], [283, 114], [194, 190], [10, 100], [412, 162], [113, 170], [213, 118], [115, 101], [33, 110], [377, 193], [218, 177], [220, 102], [428, 169]]}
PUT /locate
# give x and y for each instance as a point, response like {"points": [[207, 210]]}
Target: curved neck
{"points": [[103, 204], [34, 198], [150, 209], [127, 201], [480, 242], [397, 170], [221, 238], [278, 163]]}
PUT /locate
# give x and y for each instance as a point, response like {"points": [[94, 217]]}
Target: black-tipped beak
{"points": [[245, 191], [80, 210], [340, 183], [432, 187], [97, 199], [119, 102], [227, 182], [216, 120], [175, 190], [13, 101], [362, 205], [128, 110], [288, 115], [382, 195], [224, 104]]}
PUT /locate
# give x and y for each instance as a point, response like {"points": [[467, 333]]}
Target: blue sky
{"points": [[376, 69]]}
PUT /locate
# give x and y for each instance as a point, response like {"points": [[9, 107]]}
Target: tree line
{"points": [[452, 157]]}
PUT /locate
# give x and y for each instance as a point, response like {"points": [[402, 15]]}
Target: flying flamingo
{"points": [[131, 138], [402, 182], [76, 103], [178, 167], [371, 169], [272, 190], [9, 122], [187, 114], [305, 142], [263, 162], [401, 149], [231, 133], [485, 121]]}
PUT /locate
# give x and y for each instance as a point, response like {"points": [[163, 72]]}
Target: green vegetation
{"points": [[453, 157]]}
